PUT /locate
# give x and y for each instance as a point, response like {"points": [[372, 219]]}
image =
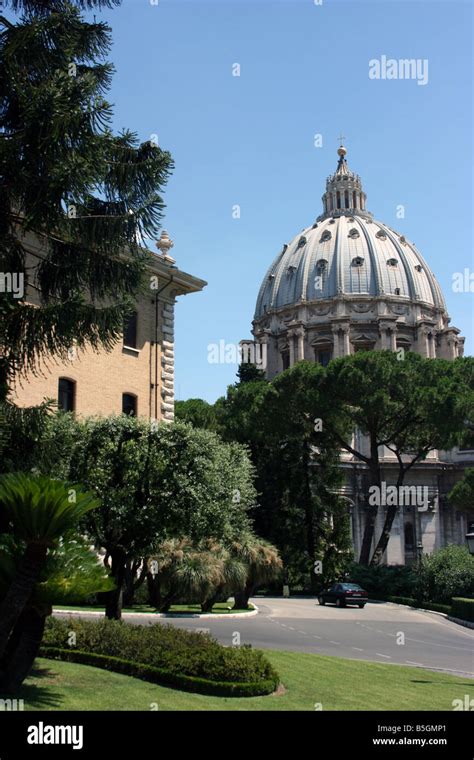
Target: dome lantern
{"points": [[344, 193]]}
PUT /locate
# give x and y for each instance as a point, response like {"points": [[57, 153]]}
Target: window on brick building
{"points": [[129, 404], [66, 394], [130, 331]]}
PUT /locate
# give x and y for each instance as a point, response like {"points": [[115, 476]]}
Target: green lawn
{"points": [[336, 683], [219, 608]]}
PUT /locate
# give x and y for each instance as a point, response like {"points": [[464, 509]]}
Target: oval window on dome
{"points": [[418, 267], [321, 263], [301, 242], [353, 233], [403, 240], [325, 236], [357, 261], [381, 235], [392, 262]]}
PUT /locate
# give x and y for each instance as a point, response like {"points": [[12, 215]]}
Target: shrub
{"points": [[158, 675], [383, 581], [463, 609], [444, 574], [163, 647]]}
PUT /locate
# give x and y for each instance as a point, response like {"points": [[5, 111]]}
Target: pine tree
{"points": [[85, 195]]}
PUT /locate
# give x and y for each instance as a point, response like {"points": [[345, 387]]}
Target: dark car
{"points": [[342, 594]]}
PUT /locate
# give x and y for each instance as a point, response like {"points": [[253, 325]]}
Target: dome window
{"points": [[351, 219], [314, 226], [325, 236], [403, 240], [271, 276], [381, 235], [301, 242], [357, 261], [392, 262], [332, 221], [397, 291], [321, 264], [353, 233], [291, 268], [418, 267]]}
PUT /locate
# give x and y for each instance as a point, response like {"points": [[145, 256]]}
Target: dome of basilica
{"points": [[347, 283], [348, 252]]}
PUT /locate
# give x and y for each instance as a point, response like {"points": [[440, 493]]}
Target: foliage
{"points": [[70, 189], [197, 412], [462, 494], [21, 433], [185, 572], [195, 684], [463, 609], [71, 575], [446, 573], [154, 481], [299, 510], [37, 517], [409, 404], [171, 649], [41, 510], [384, 580]]}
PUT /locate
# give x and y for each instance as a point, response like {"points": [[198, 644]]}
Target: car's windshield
{"points": [[350, 586]]}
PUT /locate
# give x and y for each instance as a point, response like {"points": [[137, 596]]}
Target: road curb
{"points": [[172, 615], [465, 623]]}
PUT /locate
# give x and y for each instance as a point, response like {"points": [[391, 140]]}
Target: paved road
{"points": [[371, 633]]}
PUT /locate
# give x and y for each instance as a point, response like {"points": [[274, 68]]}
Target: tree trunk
{"points": [[372, 510], [114, 598], [27, 637], [308, 502], [208, 604], [129, 583], [154, 595], [387, 528], [20, 590], [241, 597]]}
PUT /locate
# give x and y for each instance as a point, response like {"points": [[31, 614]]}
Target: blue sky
{"points": [[249, 140]]}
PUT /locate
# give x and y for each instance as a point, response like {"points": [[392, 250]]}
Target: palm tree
{"points": [[38, 511], [234, 574], [184, 572], [263, 563]]}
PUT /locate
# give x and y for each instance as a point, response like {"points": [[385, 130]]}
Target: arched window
{"points": [[346, 198], [66, 394], [354, 200], [338, 199], [409, 537], [129, 404], [285, 359], [130, 331]]}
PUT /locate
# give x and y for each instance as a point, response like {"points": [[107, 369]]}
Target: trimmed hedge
{"points": [[174, 656], [160, 676], [410, 602], [463, 609]]}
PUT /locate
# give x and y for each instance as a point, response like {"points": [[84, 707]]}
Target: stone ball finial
{"points": [[341, 151]]}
